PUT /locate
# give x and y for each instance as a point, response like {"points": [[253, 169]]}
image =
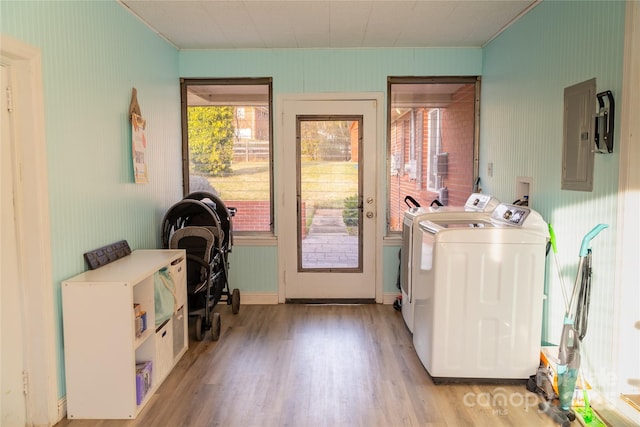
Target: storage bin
{"points": [[143, 380], [164, 350]]}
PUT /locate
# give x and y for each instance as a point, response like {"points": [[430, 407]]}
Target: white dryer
{"points": [[477, 206], [478, 293]]}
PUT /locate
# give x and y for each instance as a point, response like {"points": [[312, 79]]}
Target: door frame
{"points": [[627, 334], [34, 231], [281, 226]]}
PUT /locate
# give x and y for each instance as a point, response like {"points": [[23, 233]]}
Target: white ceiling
{"points": [[264, 24]]}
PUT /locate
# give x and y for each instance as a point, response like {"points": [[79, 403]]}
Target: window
{"points": [[432, 141], [227, 146]]}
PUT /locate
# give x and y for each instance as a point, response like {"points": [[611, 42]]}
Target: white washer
{"points": [[477, 206], [478, 293]]}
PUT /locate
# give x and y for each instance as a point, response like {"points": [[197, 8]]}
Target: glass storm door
{"points": [[329, 200]]}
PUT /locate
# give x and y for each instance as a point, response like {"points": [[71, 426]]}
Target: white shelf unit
{"points": [[100, 344]]}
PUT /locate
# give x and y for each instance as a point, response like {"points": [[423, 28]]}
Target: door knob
{"points": [[369, 214]]}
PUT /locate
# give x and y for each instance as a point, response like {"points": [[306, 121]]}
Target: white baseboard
{"points": [[62, 409], [252, 298], [390, 298]]}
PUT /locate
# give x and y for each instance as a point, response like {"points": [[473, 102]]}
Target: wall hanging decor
{"points": [[138, 140]]}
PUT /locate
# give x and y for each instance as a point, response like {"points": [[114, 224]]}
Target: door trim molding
{"points": [[378, 98], [34, 231]]}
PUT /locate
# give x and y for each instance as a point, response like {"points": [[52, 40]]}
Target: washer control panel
{"points": [[510, 214]]}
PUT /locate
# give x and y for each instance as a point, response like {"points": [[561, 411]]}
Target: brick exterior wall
{"points": [[254, 215], [353, 133], [458, 129], [251, 215], [457, 139]]}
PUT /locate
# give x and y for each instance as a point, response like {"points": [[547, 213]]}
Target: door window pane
{"points": [[329, 194]]}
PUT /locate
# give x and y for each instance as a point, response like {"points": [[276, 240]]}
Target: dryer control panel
{"points": [[510, 214]]}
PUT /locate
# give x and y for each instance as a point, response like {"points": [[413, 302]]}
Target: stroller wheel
{"points": [[235, 301], [215, 326], [198, 328]]}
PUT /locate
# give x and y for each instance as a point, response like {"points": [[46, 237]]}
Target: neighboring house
{"points": [[252, 134]]}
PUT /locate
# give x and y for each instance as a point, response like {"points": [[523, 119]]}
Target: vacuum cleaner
{"points": [[574, 330]]}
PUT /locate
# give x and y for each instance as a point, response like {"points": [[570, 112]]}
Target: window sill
{"points": [[392, 240]]}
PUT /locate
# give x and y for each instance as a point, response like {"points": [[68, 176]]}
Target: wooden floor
{"points": [[320, 365]]}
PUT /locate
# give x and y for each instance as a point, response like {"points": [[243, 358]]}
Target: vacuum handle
{"points": [[584, 249], [552, 239], [408, 199]]}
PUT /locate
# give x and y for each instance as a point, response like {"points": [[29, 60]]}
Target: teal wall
{"points": [[254, 269], [330, 70], [525, 71], [324, 70], [93, 54]]}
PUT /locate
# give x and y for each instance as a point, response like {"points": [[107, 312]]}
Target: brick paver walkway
{"points": [[328, 245]]}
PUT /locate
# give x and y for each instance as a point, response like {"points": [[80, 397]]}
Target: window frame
{"points": [[240, 81]]}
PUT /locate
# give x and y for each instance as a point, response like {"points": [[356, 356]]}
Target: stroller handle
{"points": [[584, 249]]}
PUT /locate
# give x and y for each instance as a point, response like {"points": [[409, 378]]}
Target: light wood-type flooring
{"points": [[320, 365]]}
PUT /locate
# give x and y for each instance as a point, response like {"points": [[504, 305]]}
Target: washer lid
{"points": [[434, 226], [480, 232]]}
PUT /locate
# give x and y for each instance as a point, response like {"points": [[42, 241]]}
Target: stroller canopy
{"points": [[186, 213], [223, 213]]}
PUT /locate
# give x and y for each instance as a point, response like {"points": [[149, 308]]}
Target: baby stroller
{"points": [[223, 213], [193, 224]]}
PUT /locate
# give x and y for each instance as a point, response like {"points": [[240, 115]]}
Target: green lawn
{"points": [[325, 184], [247, 181]]}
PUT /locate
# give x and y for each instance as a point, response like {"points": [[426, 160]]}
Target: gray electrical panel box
{"points": [[577, 144]]}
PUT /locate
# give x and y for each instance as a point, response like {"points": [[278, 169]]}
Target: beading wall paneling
{"points": [[525, 71]]}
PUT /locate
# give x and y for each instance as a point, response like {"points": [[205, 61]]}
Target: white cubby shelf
{"points": [[101, 348]]}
